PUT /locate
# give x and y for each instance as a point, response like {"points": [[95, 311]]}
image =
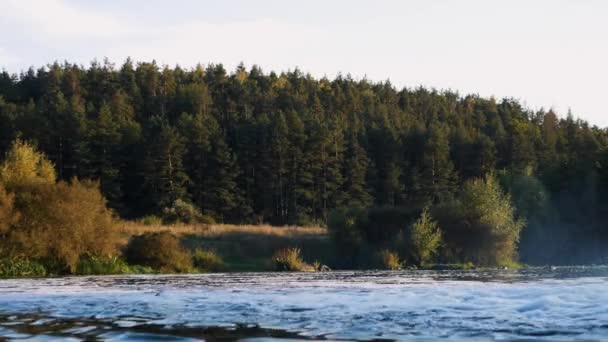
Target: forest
{"points": [[247, 146]]}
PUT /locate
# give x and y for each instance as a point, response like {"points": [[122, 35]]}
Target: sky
{"points": [[550, 54]]}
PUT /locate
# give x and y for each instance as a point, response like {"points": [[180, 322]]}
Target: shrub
{"points": [[359, 233], [389, 260], [99, 265], [344, 228], [8, 214], [151, 220], [25, 166], [11, 268], [60, 222], [481, 226], [290, 259], [160, 250], [184, 212], [206, 260], [425, 238]]}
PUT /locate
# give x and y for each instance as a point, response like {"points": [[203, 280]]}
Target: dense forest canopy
{"points": [[250, 146]]}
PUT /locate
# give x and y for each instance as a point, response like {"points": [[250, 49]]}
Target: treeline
{"points": [[248, 146]]}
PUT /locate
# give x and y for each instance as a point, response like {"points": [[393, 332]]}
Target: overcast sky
{"points": [[547, 53]]}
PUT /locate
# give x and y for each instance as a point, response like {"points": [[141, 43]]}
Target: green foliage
{"points": [[343, 225], [166, 179], [481, 225], [102, 265], [425, 238], [528, 194], [151, 220], [17, 268], [162, 251], [360, 236], [389, 260], [207, 261], [383, 224], [290, 259], [184, 212], [356, 172], [436, 178], [223, 198]]}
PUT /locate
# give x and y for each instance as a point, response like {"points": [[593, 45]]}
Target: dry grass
{"points": [[130, 228]]}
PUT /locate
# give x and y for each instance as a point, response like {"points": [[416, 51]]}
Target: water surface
{"points": [[542, 304]]}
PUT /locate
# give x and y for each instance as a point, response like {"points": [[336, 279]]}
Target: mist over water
{"points": [[569, 303]]}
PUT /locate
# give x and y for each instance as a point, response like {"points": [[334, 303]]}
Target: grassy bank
{"points": [[243, 247]]}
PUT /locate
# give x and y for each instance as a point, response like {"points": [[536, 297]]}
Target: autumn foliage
{"points": [[54, 222]]}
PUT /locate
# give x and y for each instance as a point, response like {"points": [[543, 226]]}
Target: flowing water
{"points": [[550, 304]]}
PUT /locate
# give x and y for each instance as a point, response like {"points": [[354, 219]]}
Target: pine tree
{"points": [[436, 178], [278, 168], [197, 130], [222, 197], [104, 145], [164, 176]]}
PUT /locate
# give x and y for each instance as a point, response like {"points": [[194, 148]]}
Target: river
{"points": [[546, 304]]}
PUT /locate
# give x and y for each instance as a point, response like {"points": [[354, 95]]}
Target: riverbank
{"points": [[237, 248]]}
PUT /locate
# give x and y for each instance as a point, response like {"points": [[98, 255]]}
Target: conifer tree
{"points": [[436, 177], [165, 179], [356, 173]]}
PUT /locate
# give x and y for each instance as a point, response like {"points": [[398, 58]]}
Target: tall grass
{"points": [[389, 260], [290, 259]]}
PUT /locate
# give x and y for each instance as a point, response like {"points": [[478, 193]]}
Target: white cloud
{"points": [[56, 19]]}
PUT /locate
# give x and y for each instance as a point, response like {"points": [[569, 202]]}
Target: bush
{"points": [[359, 233], [151, 220], [344, 228], [161, 251], [8, 214], [389, 260], [481, 226], [425, 238], [60, 222], [290, 259], [207, 261], [98, 265], [184, 212], [11, 268], [25, 166]]}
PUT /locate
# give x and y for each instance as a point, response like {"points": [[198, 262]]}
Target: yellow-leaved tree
{"points": [[53, 222], [25, 166]]}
